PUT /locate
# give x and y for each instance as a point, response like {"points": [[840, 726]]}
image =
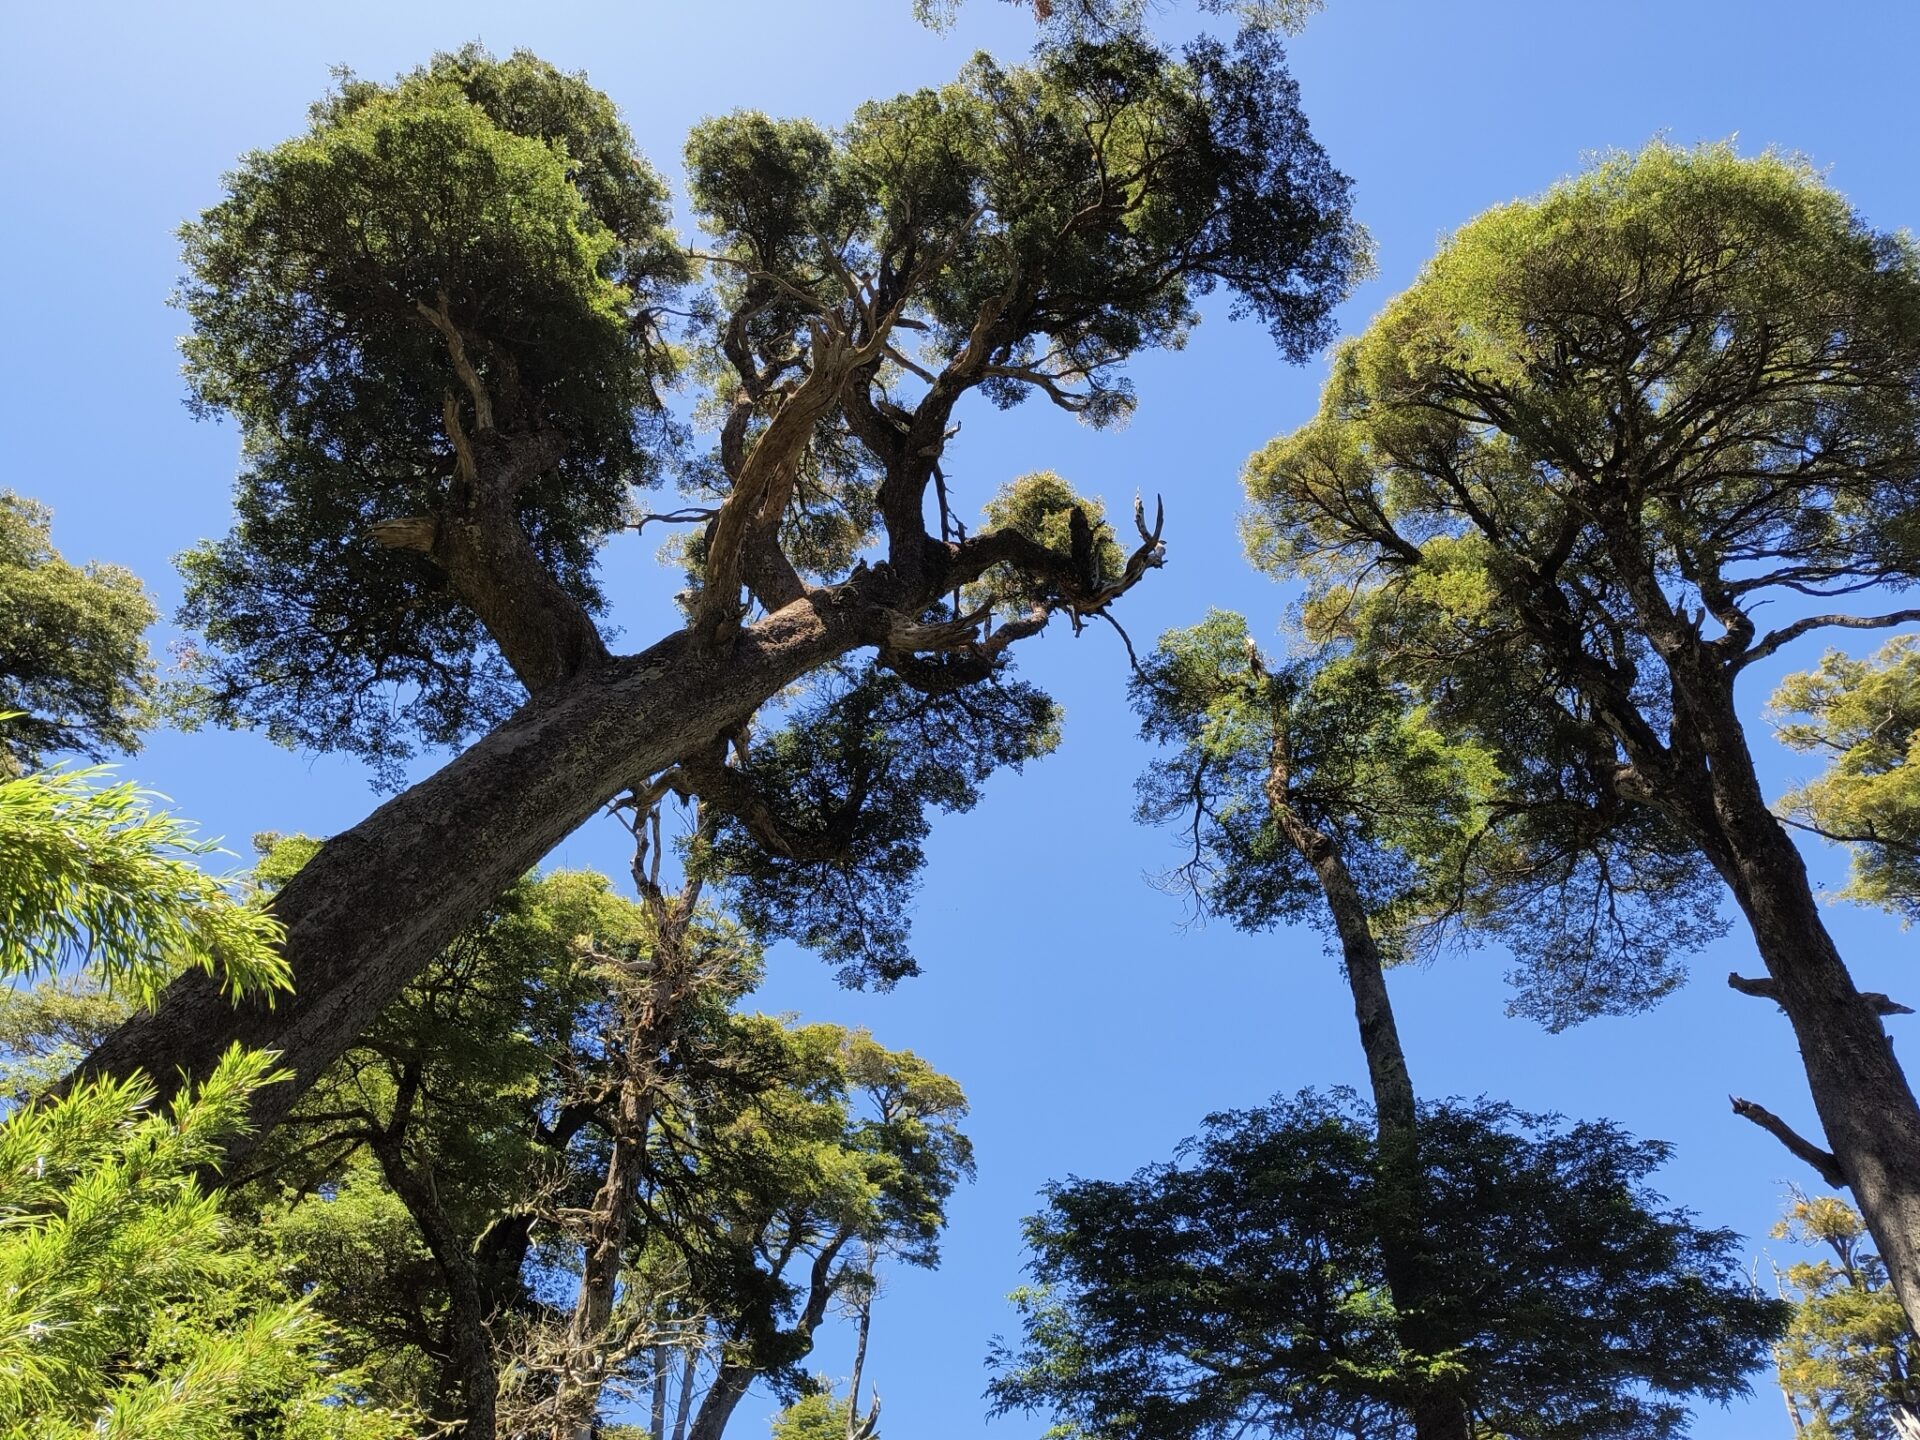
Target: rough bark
{"points": [[382, 898], [1865, 1104], [729, 1388]]}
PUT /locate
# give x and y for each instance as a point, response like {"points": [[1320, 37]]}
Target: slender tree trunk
{"points": [[683, 1403], [380, 899], [657, 1418], [1437, 1414], [467, 1319], [584, 1375]]}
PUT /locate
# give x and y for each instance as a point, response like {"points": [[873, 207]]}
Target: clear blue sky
{"points": [[1090, 1029]]}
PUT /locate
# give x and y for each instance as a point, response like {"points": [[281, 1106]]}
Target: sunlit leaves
{"points": [[91, 874]]}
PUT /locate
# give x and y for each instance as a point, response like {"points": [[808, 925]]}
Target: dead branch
{"points": [[1822, 1161]]}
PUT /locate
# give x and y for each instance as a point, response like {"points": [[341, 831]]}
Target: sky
{"points": [[1092, 1028]]}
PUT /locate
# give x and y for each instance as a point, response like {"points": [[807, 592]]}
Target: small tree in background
{"points": [[1847, 1363], [1864, 716], [73, 655]]}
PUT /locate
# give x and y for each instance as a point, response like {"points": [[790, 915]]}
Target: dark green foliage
{"points": [[74, 669], [505, 196], [847, 786], [1239, 1291]]}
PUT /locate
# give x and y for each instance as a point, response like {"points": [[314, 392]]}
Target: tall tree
{"points": [[1558, 478], [74, 666], [1319, 790], [438, 318]]}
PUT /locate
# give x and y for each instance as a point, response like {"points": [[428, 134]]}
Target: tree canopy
{"points": [[1863, 715], [1240, 1289]]}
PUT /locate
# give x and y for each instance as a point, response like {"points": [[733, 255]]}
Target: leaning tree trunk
{"points": [[1860, 1093], [1437, 1413], [381, 899]]}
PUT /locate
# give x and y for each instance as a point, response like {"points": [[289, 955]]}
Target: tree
{"points": [[74, 667], [442, 421], [1320, 790], [1863, 714], [1557, 478], [1847, 1363], [1243, 1290], [563, 1168]]}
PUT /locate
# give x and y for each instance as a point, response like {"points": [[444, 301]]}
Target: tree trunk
{"points": [[577, 1401], [683, 1402], [472, 1341], [379, 900], [1437, 1414], [1860, 1093], [716, 1409]]}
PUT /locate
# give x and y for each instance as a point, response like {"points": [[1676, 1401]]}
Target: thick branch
{"points": [[437, 316]]}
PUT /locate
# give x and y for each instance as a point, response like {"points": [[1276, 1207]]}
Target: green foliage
{"points": [[1629, 411], [1422, 809], [503, 198], [1240, 1291], [819, 1416], [1356, 761], [1865, 714], [845, 787], [849, 1142], [48, 1027], [1042, 506], [771, 1146], [74, 668], [127, 1307], [1101, 17], [90, 874], [1847, 1363]]}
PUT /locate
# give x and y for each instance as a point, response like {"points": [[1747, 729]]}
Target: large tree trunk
{"points": [[1437, 1413], [1864, 1102], [379, 900]]}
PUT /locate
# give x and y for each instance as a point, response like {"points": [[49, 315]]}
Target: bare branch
{"points": [[1787, 634], [1803, 1149]]}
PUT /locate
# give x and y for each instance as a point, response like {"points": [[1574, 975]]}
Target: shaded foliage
{"points": [[847, 785], [503, 199], [1239, 1290]]}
